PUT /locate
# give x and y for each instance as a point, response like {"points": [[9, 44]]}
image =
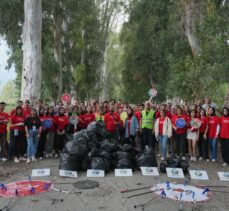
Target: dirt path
{"points": [[107, 196]]}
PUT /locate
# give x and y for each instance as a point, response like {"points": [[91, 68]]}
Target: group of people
{"points": [[40, 131]]}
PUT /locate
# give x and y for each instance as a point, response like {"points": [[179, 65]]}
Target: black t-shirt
{"points": [[33, 121]]}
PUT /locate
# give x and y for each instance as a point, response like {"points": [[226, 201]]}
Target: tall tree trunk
{"points": [[190, 28], [226, 101], [31, 74], [57, 47]]}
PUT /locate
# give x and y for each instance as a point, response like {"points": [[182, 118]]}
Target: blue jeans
{"points": [[213, 147], [32, 143], [163, 143]]}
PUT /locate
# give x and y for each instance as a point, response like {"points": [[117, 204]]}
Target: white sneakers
{"points": [[193, 158], [16, 160], [4, 159], [56, 155], [213, 160], [28, 160], [34, 159], [22, 159], [224, 164], [200, 158]]}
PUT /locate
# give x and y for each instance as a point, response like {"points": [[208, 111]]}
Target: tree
{"points": [[31, 74]]}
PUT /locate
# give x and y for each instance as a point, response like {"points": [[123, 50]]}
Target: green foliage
{"points": [[156, 49]]}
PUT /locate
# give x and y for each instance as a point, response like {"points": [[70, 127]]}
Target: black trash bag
{"points": [[163, 167], [108, 146], [75, 148], [173, 162], [101, 131], [85, 164], [124, 163], [100, 164], [93, 141], [184, 165], [126, 148], [92, 127], [68, 137], [69, 162], [81, 134], [121, 154], [93, 153], [146, 158], [108, 157]]}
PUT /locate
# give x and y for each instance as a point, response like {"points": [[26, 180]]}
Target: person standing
{"points": [[192, 136], [33, 132], [163, 131], [180, 133], [203, 141], [61, 122], [43, 135], [224, 136], [147, 123], [4, 119], [213, 132], [50, 133], [113, 123], [17, 135], [131, 127]]}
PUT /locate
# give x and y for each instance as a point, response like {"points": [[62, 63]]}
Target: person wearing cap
{"points": [[147, 125], [4, 119]]}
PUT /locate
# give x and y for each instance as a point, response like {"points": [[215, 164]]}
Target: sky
{"points": [[5, 75]]}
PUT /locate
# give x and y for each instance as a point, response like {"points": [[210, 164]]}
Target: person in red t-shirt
{"points": [[113, 123], [224, 136], [17, 135], [203, 144], [213, 132], [19, 103], [89, 116], [82, 123], [163, 131], [27, 109], [61, 122], [180, 133], [4, 119]]}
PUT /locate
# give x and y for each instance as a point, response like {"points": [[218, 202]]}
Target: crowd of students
{"points": [[139, 125]]}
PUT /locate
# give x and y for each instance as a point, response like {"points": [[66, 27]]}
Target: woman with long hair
{"points": [[192, 136], [163, 131], [224, 136], [50, 133], [213, 132], [33, 132], [131, 127], [17, 135], [203, 144]]}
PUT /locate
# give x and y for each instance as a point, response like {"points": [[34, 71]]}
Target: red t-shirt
{"points": [[204, 123], [81, 125], [51, 118], [16, 120], [189, 119], [138, 116], [110, 120], [26, 112], [61, 122], [179, 130], [43, 118], [224, 131], [161, 122], [213, 122], [88, 118], [3, 126], [12, 113]]}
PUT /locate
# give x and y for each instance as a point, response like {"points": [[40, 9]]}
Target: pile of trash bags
{"points": [[174, 162], [91, 149]]}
